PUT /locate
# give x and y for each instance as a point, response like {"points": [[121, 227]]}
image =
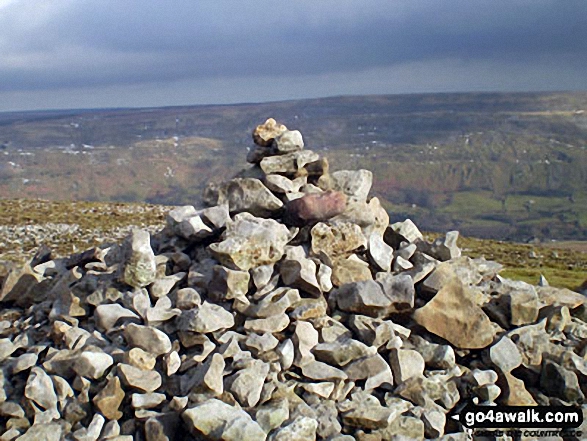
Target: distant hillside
{"points": [[492, 165]]}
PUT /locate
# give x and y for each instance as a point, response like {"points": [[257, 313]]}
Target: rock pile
{"points": [[289, 309]]}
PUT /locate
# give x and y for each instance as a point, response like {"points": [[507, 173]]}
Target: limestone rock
{"points": [[399, 289], [109, 399], [362, 298], [146, 381], [300, 429], [39, 389], [147, 338], [140, 268], [336, 240], [355, 184], [250, 242], [373, 369], [265, 133], [350, 270], [208, 317], [342, 352], [454, 316], [289, 163], [298, 271], [405, 364], [108, 315], [92, 364], [228, 284], [505, 355], [248, 195], [246, 384], [220, 421], [381, 253]]}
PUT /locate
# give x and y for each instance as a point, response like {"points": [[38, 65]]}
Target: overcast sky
{"points": [[136, 53]]}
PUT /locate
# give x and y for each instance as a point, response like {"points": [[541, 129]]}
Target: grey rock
{"points": [[39, 389], [228, 284], [248, 195], [305, 338], [406, 231], [91, 364], [381, 253], [147, 338], [275, 323], [560, 382], [365, 298], [336, 240], [505, 355], [139, 267], [300, 429], [355, 184], [405, 364], [108, 315], [45, 432], [298, 271], [147, 401], [208, 317], [246, 384], [289, 163], [342, 352], [399, 289], [220, 421], [316, 370], [250, 242], [273, 414], [146, 381], [373, 369], [289, 141]]}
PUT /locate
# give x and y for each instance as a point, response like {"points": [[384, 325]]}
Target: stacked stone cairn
{"points": [[289, 309]]}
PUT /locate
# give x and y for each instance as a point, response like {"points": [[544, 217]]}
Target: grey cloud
{"points": [[80, 43]]}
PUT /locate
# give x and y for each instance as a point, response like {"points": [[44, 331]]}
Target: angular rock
{"points": [[289, 163], [146, 381], [150, 339], [265, 133], [336, 240], [248, 195], [107, 316], [505, 355], [227, 284], [350, 270], [381, 253], [220, 421], [316, 370], [365, 298], [300, 429], [246, 384], [373, 369], [298, 271], [405, 364], [453, 315], [275, 323], [342, 352], [140, 268], [208, 317], [515, 392], [399, 289], [39, 388], [92, 364], [355, 184], [109, 399], [250, 242], [560, 382], [287, 142]]}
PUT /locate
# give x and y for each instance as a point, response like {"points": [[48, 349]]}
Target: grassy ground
{"points": [[69, 227]]}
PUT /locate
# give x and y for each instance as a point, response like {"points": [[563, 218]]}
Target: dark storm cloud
{"points": [[81, 43]]}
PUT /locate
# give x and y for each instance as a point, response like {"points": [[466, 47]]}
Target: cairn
{"points": [[288, 309]]}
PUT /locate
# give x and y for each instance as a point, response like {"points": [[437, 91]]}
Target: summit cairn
{"points": [[288, 309]]}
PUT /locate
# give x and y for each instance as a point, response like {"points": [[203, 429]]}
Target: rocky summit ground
{"points": [[288, 309]]}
